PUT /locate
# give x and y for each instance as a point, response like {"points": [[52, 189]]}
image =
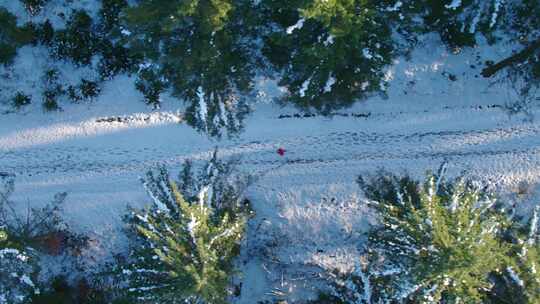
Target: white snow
{"points": [[125, 32], [496, 7], [329, 40], [298, 25], [191, 228], [515, 276], [26, 280], [534, 227], [329, 83], [454, 5], [396, 7], [203, 108], [367, 53], [304, 87], [474, 23]]}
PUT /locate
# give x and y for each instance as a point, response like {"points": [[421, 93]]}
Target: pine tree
{"points": [[442, 241], [184, 249], [116, 57], [458, 21], [201, 53], [520, 282], [329, 53], [522, 68]]}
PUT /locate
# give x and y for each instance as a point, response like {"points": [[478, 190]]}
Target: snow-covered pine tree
{"points": [[442, 241], [329, 52], [520, 282], [184, 249], [52, 89], [202, 52]]}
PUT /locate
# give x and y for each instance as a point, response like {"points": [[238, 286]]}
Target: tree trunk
{"points": [[516, 58]]}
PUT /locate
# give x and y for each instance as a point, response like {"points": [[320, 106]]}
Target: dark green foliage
{"points": [[324, 298], [12, 36], [524, 28], [115, 59], [20, 100], [61, 291], [200, 51], [329, 53], [110, 13], [89, 89], [116, 56], [456, 22], [151, 85], [78, 42], [73, 93]]}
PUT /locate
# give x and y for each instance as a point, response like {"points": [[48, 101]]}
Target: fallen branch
{"points": [[516, 58]]}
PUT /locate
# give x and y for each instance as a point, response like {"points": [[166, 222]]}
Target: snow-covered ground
{"points": [[427, 119]]}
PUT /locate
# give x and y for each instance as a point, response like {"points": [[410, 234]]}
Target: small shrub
{"points": [[20, 100], [89, 89], [24, 238], [184, 248], [40, 228], [52, 90], [50, 102], [73, 93]]}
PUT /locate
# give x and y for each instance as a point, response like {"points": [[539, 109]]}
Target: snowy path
{"points": [[124, 152], [414, 140]]}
